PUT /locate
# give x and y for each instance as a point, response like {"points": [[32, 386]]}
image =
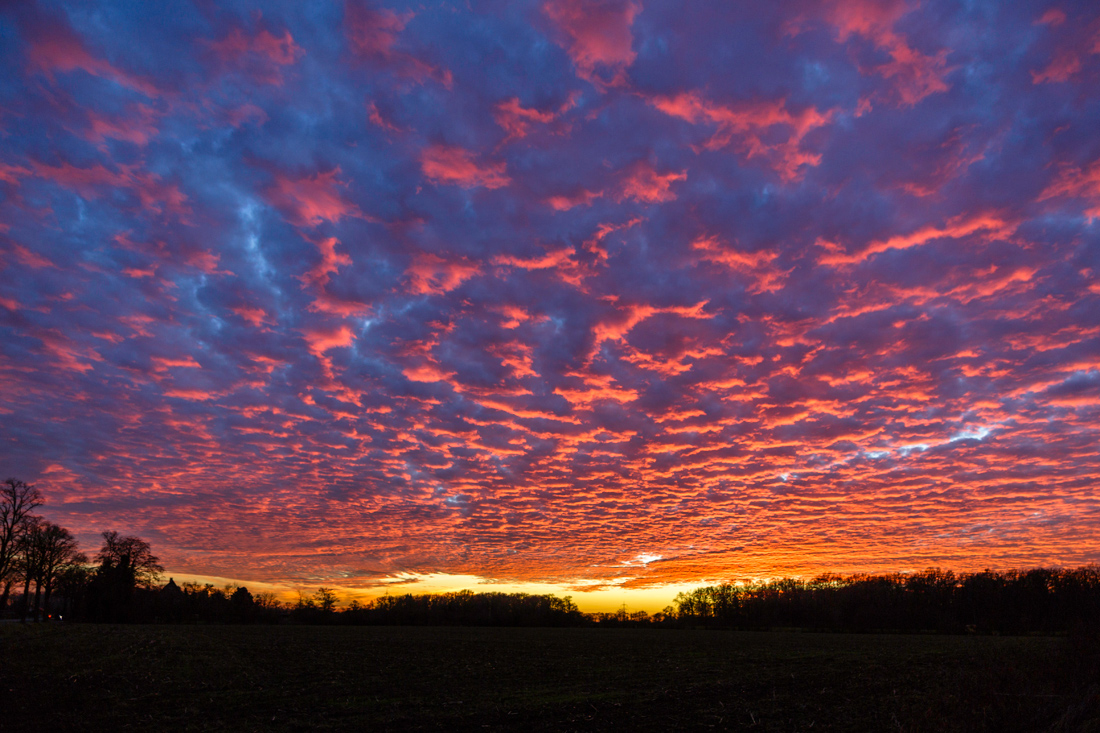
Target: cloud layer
{"points": [[577, 291]]}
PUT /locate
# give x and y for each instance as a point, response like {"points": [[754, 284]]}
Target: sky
{"points": [[593, 296]]}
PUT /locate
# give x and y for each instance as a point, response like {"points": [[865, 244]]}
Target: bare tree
{"points": [[57, 551], [29, 561], [17, 500], [132, 553]]}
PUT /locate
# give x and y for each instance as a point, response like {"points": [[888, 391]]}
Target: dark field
{"points": [[95, 678]]}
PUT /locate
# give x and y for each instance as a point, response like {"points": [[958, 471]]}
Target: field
{"points": [[95, 678]]}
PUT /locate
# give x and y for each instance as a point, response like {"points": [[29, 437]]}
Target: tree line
{"points": [[1041, 600]]}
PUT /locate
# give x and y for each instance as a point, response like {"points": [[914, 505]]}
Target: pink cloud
{"points": [[59, 49], [914, 74], [517, 120], [752, 128], [260, 55], [31, 259], [13, 174], [311, 200], [1054, 17], [642, 183], [374, 33], [452, 165], [1060, 69], [330, 262], [138, 126], [600, 40], [90, 183], [376, 118], [65, 353], [278, 50], [1075, 182]]}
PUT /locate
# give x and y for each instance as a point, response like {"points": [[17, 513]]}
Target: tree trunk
{"points": [[37, 595], [46, 598], [26, 598], [6, 594]]}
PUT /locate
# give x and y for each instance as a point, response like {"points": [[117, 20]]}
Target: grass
{"points": [[203, 678]]}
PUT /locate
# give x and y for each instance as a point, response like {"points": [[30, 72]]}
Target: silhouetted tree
{"points": [[17, 501], [1038, 600], [242, 604], [326, 600], [28, 563], [50, 550], [126, 564], [133, 552]]}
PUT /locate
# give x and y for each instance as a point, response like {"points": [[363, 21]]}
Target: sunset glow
{"points": [[594, 297]]}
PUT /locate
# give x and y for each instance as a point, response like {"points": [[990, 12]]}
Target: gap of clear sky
{"points": [[559, 295]]}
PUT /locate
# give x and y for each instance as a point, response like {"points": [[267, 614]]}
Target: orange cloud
{"points": [[430, 274], [757, 266], [163, 364], [551, 259], [426, 373], [600, 40], [567, 202], [958, 227], [616, 326], [452, 165], [320, 340], [256, 316]]}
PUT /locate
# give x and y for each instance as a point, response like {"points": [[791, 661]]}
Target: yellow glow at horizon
{"points": [[601, 598]]}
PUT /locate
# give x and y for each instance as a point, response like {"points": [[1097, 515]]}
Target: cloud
{"points": [[752, 128], [56, 48], [308, 201], [600, 41], [914, 75], [456, 166], [262, 55], [431, 274], [532, 292]]}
